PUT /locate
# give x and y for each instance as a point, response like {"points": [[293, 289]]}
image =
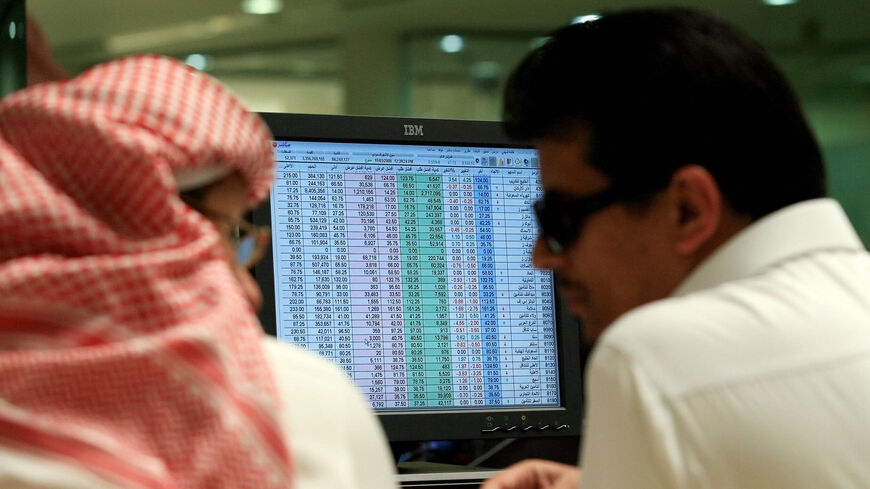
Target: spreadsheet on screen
{"points": [[409, 266]]}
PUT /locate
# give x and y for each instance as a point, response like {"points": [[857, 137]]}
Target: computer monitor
{"points": [[401, 251]]}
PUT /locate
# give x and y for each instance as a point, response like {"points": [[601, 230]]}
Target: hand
{"points": [[535, 474]]}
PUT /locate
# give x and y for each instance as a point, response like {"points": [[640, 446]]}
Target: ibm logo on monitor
{"points": [[413, 130]]}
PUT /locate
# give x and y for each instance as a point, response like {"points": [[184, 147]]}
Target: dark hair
{"points": [[661, 89]]}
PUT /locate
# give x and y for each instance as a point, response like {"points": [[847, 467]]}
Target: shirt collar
{"points": [[798, 229]]}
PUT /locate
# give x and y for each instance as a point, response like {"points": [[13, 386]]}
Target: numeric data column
{"points": [[471, 307], [456, 290], [366, 289], [409, 232], [486, 277], [315, 230], [433, 273], [291, 258], [392, 303], [338, 268]]}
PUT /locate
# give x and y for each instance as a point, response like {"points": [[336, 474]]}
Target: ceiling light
{"points": [[582, 19], [198, 61], [12, 30], [168, 35], [452, 43], [262, 7], [778, 3]]}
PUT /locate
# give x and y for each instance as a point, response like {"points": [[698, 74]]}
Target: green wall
{"points": [[849, 182]]}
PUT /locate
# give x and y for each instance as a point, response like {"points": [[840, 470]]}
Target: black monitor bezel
{"points": [[428, 425], [13, 51]]}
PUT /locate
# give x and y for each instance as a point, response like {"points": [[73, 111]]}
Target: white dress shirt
{"points": [[754, 374], [336, 442]]}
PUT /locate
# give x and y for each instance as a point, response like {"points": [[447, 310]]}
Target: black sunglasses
{"points": [[560, 219]]}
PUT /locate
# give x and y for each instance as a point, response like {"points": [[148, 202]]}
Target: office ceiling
{"points": [[824, 45]]}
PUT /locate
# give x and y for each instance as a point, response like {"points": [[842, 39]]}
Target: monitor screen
{"points": [[401, 250]]}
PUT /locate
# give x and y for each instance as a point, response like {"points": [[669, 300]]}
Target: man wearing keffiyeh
{"points": [[130, 355]]}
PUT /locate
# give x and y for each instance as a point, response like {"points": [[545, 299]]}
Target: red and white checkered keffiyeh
{"points": [[126, 346]]}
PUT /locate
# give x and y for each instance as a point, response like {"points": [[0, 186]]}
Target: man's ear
{"points": [[698, 204]]}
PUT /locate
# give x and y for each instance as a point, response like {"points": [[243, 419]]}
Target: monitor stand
{"points": [[483, 461]]}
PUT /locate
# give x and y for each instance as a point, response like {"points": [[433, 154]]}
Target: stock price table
{"points": [[417, 281]]}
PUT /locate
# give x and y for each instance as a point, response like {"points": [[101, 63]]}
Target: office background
{"points": [[449, 58]]}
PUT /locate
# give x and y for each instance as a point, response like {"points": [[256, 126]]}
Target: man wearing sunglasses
{"points": [[685, 217]]}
